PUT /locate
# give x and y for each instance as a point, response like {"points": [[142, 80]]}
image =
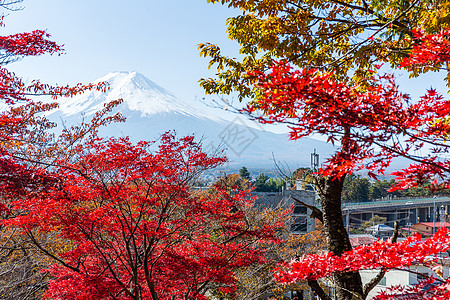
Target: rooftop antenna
{"points": [[314, 161]]}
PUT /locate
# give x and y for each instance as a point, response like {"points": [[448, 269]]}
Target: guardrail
{"points": [[398, 202]]}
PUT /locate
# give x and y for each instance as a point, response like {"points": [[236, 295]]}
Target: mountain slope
{"points": [[142, 97], [151, 110]]}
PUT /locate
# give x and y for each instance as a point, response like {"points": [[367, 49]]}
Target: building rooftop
{"points": [[361, 239], [436, 224]]}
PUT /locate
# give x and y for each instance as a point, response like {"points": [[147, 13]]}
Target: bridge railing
{"points": [[397, 201]]}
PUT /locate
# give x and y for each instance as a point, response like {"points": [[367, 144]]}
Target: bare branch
{"points": [[372, 283], [282, 170], [314, 285], [46, 252], [315, 212]]}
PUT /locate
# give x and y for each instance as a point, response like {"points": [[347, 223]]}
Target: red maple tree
{"points": [[372, 123], [21, 124], [383, 255], [132, 225], [28, 150], [135, 228]]}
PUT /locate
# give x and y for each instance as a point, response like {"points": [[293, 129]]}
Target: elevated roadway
{"points": [[406, 210]]}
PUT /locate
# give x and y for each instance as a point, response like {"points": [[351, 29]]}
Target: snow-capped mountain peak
{"points": [[151, 110], [135, 79], [140, 94]]}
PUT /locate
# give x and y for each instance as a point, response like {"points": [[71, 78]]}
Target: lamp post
{"points": [[434, 214], [409, 222], [442, 216]]}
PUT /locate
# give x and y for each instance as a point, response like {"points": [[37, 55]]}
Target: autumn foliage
{"points": [[381, 255], [136, 228], [431, 50], [20, 125], [131, 225], [122, 219], [372, 123]]}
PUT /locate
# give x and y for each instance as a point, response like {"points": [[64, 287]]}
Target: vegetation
{"points": [[88, 218], [357, 118], [264, 183], [257, 280], [355, 189], [245, 174], [358, 189], [375, 220], [312, 65], [346, 38], [121, 204]]}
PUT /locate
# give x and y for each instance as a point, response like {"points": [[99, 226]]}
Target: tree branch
{"points": [[46, 252], [314, 285], [371, 284], [316, 213]]}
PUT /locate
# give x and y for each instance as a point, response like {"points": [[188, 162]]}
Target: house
{"points": [[402, 277], [428, 228], [300, 222]]}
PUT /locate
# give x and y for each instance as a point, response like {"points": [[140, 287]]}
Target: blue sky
{"points": [[157, 38]]}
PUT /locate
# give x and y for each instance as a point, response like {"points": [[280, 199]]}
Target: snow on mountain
{"points": [[151, 110], [141, 95]]}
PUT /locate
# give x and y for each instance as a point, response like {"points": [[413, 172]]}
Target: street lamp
{"points": [[442, 215], [408, 223], [434, 214]]}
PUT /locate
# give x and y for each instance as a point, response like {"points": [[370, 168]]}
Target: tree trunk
{"points": [[348, 285]]}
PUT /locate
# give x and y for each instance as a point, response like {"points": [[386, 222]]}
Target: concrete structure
{"points": [[301, 222], [407, 211]]}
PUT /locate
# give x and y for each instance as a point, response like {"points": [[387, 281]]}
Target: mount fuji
{"points": [[151, 110]]}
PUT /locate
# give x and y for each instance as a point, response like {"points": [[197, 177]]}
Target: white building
{"points": [[399, 277]]}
